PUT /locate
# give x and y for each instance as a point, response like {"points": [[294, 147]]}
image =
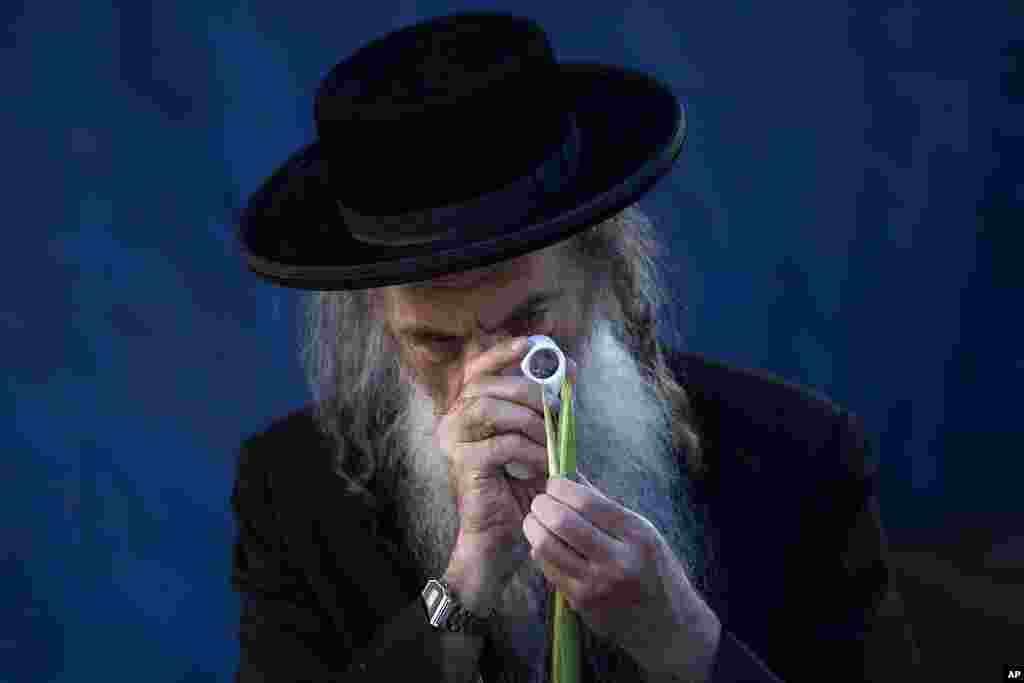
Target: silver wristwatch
{"points": [[445, 613]]}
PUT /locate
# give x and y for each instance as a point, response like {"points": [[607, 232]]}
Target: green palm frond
{"points": [[565, 649]]}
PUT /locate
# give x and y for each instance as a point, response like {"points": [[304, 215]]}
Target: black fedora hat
{"points": [[453, 144]]}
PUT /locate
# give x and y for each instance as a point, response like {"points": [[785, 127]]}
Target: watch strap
{"points": [[445, 612]]}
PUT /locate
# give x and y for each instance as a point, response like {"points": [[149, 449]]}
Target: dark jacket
{"points": [[797, 558]]}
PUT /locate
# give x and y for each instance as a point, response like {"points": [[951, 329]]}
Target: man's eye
{"points": [[532, 318], [443, 345], [440, 345]]}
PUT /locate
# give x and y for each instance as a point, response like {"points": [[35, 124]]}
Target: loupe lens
{"points": [[543, 363]]}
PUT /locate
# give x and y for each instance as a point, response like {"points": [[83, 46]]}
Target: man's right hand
{"points": [[495, 419]]}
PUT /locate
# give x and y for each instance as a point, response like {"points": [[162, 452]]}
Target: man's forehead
{"points": [[421, 320], [462, 280], [485, 297], [520, 265]]}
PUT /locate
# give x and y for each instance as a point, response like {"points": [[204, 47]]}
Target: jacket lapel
{"points": [[361, 577]]}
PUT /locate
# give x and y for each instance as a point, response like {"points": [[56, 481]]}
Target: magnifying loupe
{"points": [[544, 364]]}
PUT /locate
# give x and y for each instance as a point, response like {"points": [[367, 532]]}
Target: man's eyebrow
{"points": [[422, 331]]}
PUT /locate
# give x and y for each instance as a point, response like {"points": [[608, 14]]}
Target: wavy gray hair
{"points": [[353, 369]]}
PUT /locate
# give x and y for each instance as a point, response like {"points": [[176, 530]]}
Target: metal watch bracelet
{"points": [[444, 611]]}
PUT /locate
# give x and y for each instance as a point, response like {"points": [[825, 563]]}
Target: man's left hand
{"points": [[619, 574]]}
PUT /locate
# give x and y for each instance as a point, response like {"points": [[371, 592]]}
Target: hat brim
{"points": [[632, 129]]}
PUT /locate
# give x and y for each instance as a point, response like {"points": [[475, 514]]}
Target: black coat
{"points": [[799, 575]]}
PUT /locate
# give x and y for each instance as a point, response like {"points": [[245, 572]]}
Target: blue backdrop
{"points": [[844, 214]]}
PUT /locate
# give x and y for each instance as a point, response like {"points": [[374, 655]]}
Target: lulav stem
{"points": [[565, 654], [549, 429], [554, 613]]}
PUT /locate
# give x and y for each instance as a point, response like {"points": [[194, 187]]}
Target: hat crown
{"points": [[439, 112], [432, 62]]}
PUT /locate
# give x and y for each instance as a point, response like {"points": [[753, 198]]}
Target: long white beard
{"points": [[623, 447]]}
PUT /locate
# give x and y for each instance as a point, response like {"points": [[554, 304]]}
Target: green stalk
{"points": [[567, 432], [565, 654], [553, 471], [549, 430]]}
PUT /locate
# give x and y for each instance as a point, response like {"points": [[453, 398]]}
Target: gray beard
{"points": [[623, 447]]}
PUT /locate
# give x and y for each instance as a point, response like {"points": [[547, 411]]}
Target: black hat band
{"points": [[483, 216]]}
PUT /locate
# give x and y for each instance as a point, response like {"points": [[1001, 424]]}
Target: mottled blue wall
{"points": [[845, 213]]}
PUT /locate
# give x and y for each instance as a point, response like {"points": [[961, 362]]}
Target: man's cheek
{"points": [[414, 372]]}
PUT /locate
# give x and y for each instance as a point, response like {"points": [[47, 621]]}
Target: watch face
{"points": [[436, 604], [433, 596]]}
